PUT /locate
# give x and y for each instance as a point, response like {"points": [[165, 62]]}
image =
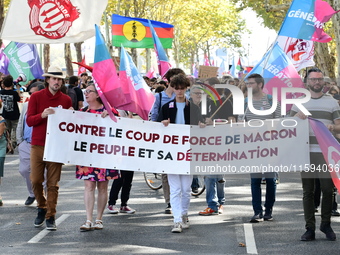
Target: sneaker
{"points": [[220, 209], [168, 209], [309, 235], [194, 190], [185, 221], [335, 213], [208, 211], [177, 228], [268, 215], [127, 209], [256, 218], [50, 224], [113, 209], [87, 226], [326, 228], [40, 219], [1, 203], [98, 225], [29, 200]]}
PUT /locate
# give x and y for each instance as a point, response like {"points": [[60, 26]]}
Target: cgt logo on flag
{"points": [[52, 19]]}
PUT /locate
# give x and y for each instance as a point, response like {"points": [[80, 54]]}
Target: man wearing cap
{"points": [[41, 105]]}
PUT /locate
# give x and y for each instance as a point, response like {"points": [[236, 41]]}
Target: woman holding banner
{"points": [[95, 177]]}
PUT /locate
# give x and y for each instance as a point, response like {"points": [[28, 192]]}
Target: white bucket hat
{"points": [[54, 71]]}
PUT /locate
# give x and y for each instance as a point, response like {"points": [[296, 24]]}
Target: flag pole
{"points": [[273, 44]]}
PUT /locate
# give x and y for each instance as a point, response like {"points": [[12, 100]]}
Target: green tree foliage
{"points": [[273, 13]]}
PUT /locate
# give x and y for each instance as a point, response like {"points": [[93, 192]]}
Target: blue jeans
{"points": [[214, 188], [257, 194]]}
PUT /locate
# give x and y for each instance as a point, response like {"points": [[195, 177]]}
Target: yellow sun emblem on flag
{"points": [[134, 31]]}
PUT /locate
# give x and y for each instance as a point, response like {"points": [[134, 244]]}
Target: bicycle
{"points": [[154, 181]]}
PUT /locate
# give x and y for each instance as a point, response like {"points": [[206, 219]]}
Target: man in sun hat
{"points": [[41, 105]]}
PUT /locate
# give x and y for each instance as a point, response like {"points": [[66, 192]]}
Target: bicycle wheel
{"points": [[197, 186], [153, 180]]}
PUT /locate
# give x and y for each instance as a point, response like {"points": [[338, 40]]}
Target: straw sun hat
{"points": [[54, 71]]}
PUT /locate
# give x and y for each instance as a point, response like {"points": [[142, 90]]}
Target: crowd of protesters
{"points": [[177, 100]]}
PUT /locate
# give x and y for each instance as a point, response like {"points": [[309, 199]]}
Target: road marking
{"points": [[250, 239], [12, 162], [44, 232]]}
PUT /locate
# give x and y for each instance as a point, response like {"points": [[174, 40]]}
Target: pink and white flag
{"points": [[151, 73], [140, 97], [300, 51], [330, 149]]}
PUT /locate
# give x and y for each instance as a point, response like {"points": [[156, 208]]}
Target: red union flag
{"points": [[300, 51], [52, 21], [82, 69]]}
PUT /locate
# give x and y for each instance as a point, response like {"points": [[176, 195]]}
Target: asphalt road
{"points": [[148, 230]]}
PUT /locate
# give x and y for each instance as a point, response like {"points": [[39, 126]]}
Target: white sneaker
{"points": [[113, 209], [185, 221], [177, 228]]}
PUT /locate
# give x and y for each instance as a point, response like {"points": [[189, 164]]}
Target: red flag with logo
{"points": [[81, 68], [57, 21]]}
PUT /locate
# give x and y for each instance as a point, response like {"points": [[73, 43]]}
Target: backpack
{"points": [[73, 95]]}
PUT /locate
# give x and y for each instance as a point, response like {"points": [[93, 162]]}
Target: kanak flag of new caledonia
{"points": [[140, 95], [162, 59], [305, 20], [277, 71], [136, 33], [330, 149], [57, 21]]}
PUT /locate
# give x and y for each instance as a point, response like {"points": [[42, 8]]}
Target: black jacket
{"points": [[192, 113]]}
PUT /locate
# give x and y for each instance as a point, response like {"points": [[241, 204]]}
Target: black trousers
{"points": [[124, 183]]}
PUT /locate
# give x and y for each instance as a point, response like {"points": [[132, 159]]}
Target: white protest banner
{"points": [[87, 139], [273, 145]]}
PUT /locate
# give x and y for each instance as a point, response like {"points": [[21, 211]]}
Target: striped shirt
{"points": [[325, 109], [262, 104]]}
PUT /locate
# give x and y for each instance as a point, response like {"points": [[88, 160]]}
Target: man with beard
{"points": [[326, 109], [39, 108], [261, 101]]}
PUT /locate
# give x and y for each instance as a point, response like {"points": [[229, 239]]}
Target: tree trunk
{"points": [[68, 59], [46, 57], [324, 60], [148, 60], [78, 51], [2, 16], [134, 55], [336, 24]]}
